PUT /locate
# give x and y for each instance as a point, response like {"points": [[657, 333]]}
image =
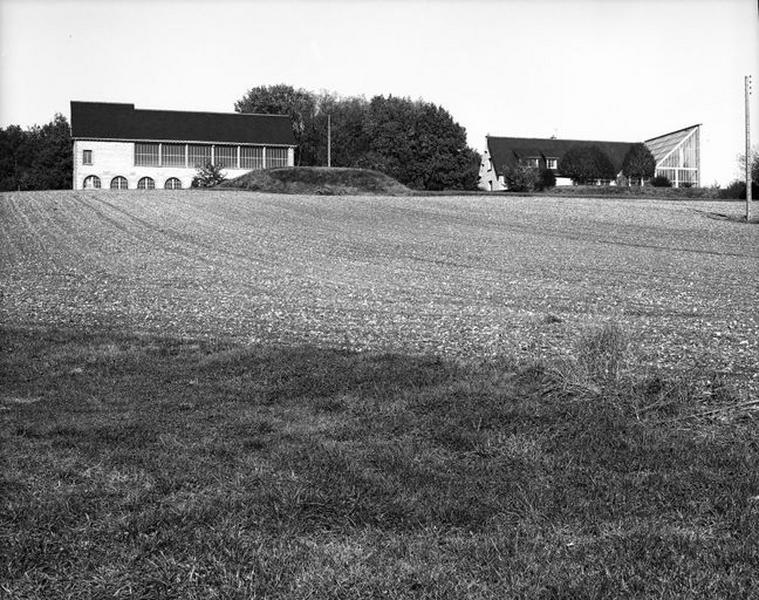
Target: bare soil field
{"points": [[454, 276]]}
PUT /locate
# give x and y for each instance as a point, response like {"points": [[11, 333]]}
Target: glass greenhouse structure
{"points": [[678, 156]]}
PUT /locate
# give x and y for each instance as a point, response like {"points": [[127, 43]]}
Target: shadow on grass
{"points": [[173, 467]]}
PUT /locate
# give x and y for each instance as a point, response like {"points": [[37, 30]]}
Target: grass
{"points": [[241, 395], [165, 468], [608, 191]]}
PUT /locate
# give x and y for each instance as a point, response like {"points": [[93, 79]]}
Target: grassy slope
{"points": [[150, 449], [319, 180]]}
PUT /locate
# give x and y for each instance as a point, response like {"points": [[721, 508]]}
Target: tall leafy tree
{"points": [[39, 158], [283, 99], [416, 142], [419, 144], [349, 140], [584, 164], [639, 164], [14, 153]]}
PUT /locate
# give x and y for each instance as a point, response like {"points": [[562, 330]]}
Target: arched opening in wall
{"points": [[119, 183], [172, 183], [146, 183], [92, 182]]}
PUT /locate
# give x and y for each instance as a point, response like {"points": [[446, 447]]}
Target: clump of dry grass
{"points": [[605, 366], [603, 355]]}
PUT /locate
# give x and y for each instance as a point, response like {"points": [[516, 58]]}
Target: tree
{"points": [[639, 164], [12, 152], [419, 144], [208, 175], [416, 142], [753, 165], [585, 164], [283, 99], [39, 158], [349, 139]]}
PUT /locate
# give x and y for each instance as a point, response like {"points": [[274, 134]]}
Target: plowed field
{"points": [[457, 276]]}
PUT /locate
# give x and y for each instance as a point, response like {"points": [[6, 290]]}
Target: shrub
{"points": [[585, 164], [521, 178], [661, 181], [737, 191], [208, 175], [639, 163], [546, 179]]}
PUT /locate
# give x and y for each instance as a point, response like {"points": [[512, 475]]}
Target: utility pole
{"points": [[747, 84], [329, 140]]}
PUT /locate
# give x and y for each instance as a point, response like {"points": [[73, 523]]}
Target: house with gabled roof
{"points": [[677, 156], [120, 147]]}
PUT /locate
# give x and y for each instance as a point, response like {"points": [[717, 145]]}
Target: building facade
{"points": [[677, 155], [119, 147]]}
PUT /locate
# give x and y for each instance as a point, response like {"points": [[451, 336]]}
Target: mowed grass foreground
{"points": [[241, 396]]}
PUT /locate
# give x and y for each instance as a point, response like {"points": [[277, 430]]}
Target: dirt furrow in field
{"points": [[446, 275]]}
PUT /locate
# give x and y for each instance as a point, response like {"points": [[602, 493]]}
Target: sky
{"points": [[619, 70]]}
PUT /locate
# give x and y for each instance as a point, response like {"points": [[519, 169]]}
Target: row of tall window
{"points": [[154, 154], [683, 177], [120, 183]]}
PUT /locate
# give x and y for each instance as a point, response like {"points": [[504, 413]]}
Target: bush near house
{"points": [[584, 164], [639, 164], [661, 181], [209, 175], [547, 179], [524, 178], [520, 177]]}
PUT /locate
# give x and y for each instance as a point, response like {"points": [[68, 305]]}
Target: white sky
{"points": [[610, 70]]}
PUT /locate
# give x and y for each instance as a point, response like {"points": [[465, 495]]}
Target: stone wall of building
{"points": [[116, 159]]}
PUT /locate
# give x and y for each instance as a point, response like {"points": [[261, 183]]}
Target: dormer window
{"points": [[552, 163], [533, 161]]}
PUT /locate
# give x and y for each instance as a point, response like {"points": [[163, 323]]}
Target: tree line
{"points": [[37, 158], [416, 142]]}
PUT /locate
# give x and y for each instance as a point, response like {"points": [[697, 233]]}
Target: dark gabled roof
{"points": [[111, 121], [507, 150]]}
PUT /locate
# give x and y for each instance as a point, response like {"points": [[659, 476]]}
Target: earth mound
{"points": [[318, 180]]}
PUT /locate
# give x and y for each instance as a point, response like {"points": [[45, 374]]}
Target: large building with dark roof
{"points": [[677, 155], [119, 147]]}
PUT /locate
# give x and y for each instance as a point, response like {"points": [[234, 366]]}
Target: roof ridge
{"points": [[210, 112], [533, 139], [673, 132], [173, 110]]}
